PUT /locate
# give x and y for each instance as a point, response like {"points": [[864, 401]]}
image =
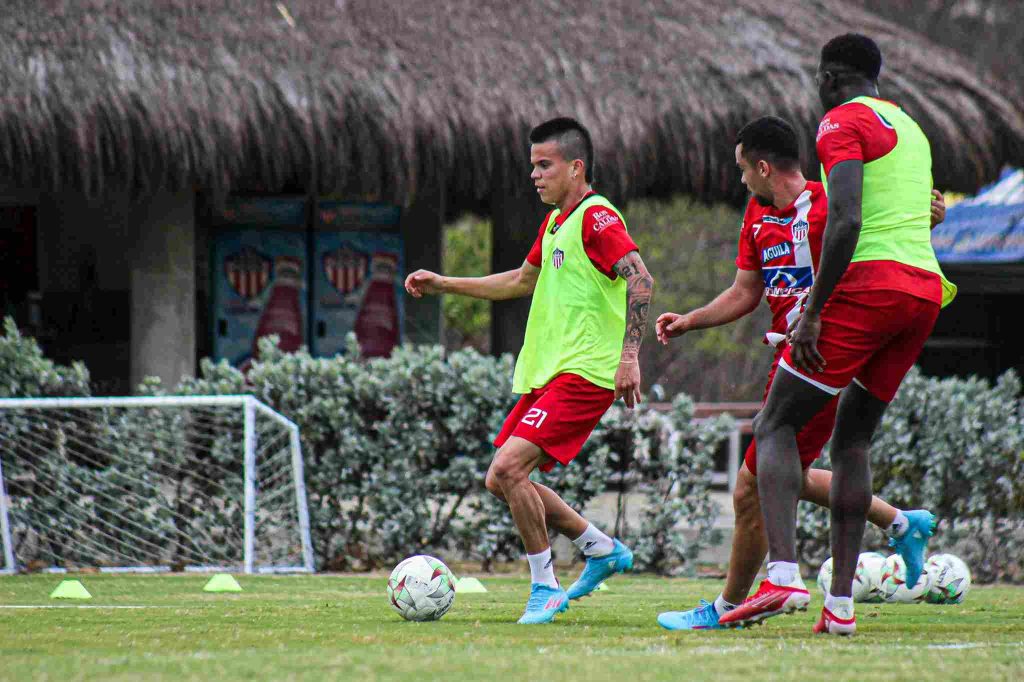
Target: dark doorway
{"points": [[19, 266]]}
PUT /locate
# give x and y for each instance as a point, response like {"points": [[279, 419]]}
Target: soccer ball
{"points": [[421, 588], [865, 579], [950, 579], [893, 583], [869, 572]]}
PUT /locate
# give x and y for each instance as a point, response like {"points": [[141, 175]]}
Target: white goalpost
{"points": [[192, 483]]}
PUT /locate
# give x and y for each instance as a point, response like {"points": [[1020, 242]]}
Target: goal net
{"points": [[151, 484]]}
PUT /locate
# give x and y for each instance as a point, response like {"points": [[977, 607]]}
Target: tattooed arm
{"points": [[639, 288]]}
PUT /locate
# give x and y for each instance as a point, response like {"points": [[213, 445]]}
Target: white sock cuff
{"points": [[723, 607], [899, 525], [782, 572], [542, 569], [832, 603], [593, 542]]}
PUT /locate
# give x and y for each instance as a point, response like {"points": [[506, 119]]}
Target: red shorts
{"points": [[872, 337], [812, 437], [558, 417]]}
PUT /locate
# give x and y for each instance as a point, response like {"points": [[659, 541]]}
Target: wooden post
{"points": [[515, 220], [422, 226]]}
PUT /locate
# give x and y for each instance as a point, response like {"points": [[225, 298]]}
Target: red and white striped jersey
{"points": [[785, 246]]}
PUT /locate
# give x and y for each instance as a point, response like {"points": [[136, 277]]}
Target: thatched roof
{"points": [[378, 98]]}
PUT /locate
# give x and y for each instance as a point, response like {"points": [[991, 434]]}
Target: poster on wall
{"points": [[259, 276], [358, 274]]}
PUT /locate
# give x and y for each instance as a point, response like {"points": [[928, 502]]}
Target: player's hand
{"points": [[803, 340], [423, 282], [938, 207], [627, 382], [669, 326]]}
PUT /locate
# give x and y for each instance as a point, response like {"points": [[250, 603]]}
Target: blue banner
{"points": [[988, 228], [358, 272], [259, 274]]}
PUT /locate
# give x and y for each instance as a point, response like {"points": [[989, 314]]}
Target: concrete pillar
{"points": [[422, 227], [163, 290], [515, 220]]}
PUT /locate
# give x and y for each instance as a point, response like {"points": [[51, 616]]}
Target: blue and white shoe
{"points": [[543, 604], [911, 545], [704, 617], [600, 568]]}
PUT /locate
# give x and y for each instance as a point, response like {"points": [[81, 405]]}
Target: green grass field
{"points": [[341, 627]]}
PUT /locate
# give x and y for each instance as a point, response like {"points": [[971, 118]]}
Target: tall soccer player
{"points": [[779, 251], [591, 294], [874, 302]]}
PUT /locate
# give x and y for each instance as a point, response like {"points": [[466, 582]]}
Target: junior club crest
{"points": [[800, 231], [345, 268], [248, 272], [557, 258]]}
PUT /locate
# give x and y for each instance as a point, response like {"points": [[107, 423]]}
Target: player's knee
{"points": [[856, 450], [763, 426], [505, 471], [852, 458], [492, 485], [757, 424]]}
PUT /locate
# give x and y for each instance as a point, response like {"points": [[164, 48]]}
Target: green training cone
{"points": [[468, 586], [70, 589], [222, 582]]}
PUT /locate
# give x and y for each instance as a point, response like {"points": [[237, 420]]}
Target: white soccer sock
{"points": [[839, 606], [899, 525], [723, 607], [542, 568], [593, 542], [782, 572]]}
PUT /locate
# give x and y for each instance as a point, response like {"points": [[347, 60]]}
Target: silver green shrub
{"points": [[396, 450], [956, 447]]}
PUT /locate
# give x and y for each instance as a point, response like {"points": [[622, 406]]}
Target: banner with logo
{"points": [[258, 273], [358, 275]]}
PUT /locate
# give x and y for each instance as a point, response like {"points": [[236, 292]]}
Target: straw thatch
{"points": [[379, 98]]}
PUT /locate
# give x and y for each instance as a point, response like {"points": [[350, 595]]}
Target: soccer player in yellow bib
{"points": [[779, 244], [591, 295], [875, 299]]}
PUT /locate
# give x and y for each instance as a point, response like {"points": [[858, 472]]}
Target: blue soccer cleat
{"points": [[544, 603], [704, 617], [912, 544], [600, 568]]}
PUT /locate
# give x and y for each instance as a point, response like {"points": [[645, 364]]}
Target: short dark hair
{"points": [[773, 139], [573, 141], [857, 52]]}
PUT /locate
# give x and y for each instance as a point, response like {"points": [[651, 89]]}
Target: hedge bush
{"points": [[25, 372], [956, 447], [396, 450]]}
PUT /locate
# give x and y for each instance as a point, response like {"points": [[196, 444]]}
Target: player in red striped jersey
{"points": [[779, 248]]}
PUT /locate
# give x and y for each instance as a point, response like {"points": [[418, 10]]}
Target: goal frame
{"points": [[250, 406]]}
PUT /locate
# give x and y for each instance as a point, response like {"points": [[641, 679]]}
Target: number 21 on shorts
{"points": [[535, 417]]}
